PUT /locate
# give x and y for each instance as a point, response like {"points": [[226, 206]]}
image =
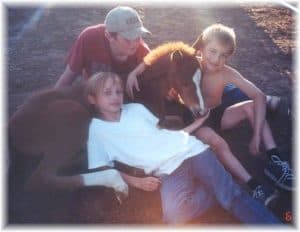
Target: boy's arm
{"points": [[132, 79], [66, 78], [259, 101]]}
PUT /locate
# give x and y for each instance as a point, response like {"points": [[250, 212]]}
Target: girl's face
{"points": [[214, 55], [110, 99]]}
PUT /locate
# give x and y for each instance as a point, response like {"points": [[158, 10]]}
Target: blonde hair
{"points": [[96, 83], [225, 35]]}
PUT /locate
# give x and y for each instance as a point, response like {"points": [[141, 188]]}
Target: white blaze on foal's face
{"points": [[197, 82]]}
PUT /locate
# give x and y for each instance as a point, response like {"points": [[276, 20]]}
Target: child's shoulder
{"points": [[94, 125], [229, 71], [133, 106], [221, 75], [228, 68]]}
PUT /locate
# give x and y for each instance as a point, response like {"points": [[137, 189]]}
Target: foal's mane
{"points": [[167, 48]]}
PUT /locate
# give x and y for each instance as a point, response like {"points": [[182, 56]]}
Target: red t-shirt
{"points": [[91, 53]]}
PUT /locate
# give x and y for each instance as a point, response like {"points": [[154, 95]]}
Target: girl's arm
{"points": [[144, 183], [132, 79], [196, 124]]}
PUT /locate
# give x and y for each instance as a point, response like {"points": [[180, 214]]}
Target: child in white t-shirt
{"points": [[128, 133]]}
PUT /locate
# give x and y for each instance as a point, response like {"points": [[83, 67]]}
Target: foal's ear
{"points": [[198, 44], [176, 56]]}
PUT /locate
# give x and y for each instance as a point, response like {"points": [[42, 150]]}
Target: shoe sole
{"points": [[271, 201], [273, 178]]}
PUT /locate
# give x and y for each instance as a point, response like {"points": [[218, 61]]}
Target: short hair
{"points": [[113, 34], [96, 82], [225, 35]]}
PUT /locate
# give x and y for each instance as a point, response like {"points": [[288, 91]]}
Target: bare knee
{"points": [[237, 113], [205, 134], [249, 110], [210, 137]]}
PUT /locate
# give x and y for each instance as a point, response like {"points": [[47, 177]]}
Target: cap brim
{"points": [[137, 32]]}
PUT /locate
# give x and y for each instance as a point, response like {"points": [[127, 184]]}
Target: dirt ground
{"points": [[265, 55]]}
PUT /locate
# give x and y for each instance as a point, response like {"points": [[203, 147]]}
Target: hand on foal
{"points": [[132, 82], [201, 119]]}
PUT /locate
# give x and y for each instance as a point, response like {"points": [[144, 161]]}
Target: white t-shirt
{"points": [[137, 141]]}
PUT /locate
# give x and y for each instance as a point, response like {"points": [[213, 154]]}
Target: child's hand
{"points": [[132, 82], [148, 183], [201, 119], [196, 124], [206, 115]]}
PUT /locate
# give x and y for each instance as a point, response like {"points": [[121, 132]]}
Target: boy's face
{"points": [[214, 55], [110, 98], [125, 46]]}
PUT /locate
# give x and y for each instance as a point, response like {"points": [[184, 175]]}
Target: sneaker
{"points": [[280, 105], [265, 195], [280, 172], [284, 107]]}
